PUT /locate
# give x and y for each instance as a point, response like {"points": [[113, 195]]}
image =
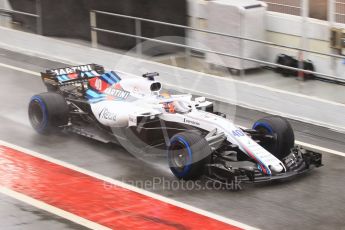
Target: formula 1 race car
{"points": [[198, 141]]}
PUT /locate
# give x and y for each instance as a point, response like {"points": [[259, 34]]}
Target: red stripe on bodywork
{"points": [[101, 86], [114, 207], [72, 75]]}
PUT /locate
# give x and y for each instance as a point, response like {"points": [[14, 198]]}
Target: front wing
{"points": [[299, 162]]}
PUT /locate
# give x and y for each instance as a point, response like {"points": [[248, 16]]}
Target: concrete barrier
{"points": [[71, 19]]}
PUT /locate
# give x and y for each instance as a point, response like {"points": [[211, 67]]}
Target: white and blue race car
{"points": [[101, 105]]}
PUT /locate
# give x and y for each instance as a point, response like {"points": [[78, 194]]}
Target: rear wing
{"points": [[53, 78]]}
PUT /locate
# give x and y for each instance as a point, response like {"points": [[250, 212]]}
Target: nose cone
{"points": [[277, 168]]}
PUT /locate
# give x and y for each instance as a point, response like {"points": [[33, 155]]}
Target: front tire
{"points": [[47, 112], [282, 132], [188, 155]]}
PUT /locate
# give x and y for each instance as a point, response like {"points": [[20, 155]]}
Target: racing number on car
{"points": [[98, 84], [238, 133]]}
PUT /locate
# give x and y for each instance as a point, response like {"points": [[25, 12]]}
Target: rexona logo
{"points": [[106, 114], [73, 69], [191, 122], [117, 92]]}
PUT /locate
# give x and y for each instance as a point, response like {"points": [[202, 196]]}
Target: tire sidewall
{"points": [[178, 138], [43, 125], [198, 151], [282, 133], [54, 110]]}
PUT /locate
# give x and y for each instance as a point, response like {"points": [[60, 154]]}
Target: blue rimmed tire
{"points": [[282, 132], [48, 112], [188, 155]]}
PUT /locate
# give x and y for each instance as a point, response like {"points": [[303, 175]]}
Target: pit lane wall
{"points": [[292, 105], [71, 19]]}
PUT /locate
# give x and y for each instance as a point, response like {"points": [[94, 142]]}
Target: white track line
{"points": [[54, 210], [20, 69], [319, 148], [129, 187]]}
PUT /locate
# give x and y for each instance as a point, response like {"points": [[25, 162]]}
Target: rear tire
{"points": [[188, 155], [281, 130], [47, 112]]}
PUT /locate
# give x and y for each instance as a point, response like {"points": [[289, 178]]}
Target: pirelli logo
{"points": [[73, 69]]}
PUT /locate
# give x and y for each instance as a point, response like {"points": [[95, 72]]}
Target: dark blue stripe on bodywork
{"points": [[111, 78], [91, 94]]}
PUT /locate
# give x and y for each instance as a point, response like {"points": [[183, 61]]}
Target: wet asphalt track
{"points": [[315, 201], [15, 214]]}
